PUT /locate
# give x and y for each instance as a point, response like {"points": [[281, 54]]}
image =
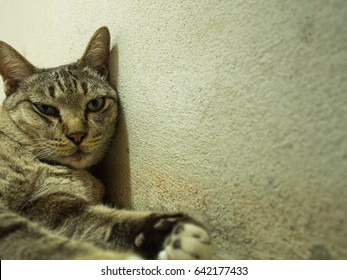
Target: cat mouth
{"points": [[78, 159], [78, 155]]}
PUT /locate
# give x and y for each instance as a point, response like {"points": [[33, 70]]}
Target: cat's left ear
{"points": [[97, 53]]}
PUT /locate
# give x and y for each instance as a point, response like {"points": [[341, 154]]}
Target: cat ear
{"points": [[14, 68], [97, 52]]}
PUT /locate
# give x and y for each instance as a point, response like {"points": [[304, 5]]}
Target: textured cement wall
{"points": [[234, 111]]}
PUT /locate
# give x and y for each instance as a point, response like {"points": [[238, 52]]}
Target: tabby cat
{"points": [[54, 124]]}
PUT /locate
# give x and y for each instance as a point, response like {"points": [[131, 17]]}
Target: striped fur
{"points": [[54, 124]]}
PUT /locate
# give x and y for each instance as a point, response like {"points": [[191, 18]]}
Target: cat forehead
{"points": [[66, 81]]}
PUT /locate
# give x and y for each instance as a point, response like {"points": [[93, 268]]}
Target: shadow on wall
{"points": [[114, 170]]}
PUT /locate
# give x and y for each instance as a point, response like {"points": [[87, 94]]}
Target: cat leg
{"points": [[21, 238], [152, 235]]}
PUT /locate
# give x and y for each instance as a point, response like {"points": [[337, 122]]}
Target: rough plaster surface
{"points": [[234, 111]]}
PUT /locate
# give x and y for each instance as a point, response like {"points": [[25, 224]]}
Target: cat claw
{"points": [[164, 223], [139, 240]]}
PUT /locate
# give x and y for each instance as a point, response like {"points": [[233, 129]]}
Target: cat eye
{"points": [[96, 104], [47, 110]]}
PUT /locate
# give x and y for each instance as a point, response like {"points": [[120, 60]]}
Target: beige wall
{"points": [[234, 111]]}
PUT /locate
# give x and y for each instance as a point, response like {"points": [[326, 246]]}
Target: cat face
{"points": [[67, 114]]}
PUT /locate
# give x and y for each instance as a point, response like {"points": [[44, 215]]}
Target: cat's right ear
{"points": [[14, 68]]}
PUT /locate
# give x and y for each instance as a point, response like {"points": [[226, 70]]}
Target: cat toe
{"points": [[187, 242]]}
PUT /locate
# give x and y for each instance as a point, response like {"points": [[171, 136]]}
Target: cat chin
{"points": [[78, 161]]}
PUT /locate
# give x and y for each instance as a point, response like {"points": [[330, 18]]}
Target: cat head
{"points": [[66, 114]]}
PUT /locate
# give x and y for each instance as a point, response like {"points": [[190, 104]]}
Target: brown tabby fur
{"points": [[50, 206]]}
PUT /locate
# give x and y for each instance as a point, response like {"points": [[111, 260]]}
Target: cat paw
{"points": [[174, 237], [187, 242]]}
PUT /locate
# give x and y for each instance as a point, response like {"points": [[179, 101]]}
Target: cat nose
{"points": [[76, 137]]}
